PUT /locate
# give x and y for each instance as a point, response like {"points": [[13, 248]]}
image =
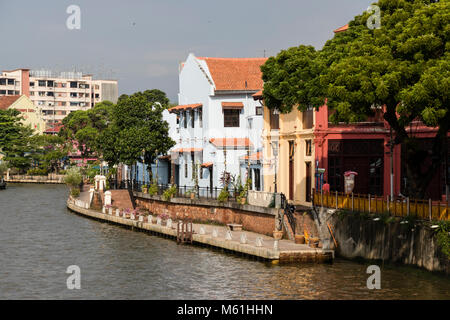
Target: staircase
{"points": [[121, 199]]}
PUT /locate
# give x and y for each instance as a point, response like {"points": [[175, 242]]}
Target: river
{"points": [[40, 238]]}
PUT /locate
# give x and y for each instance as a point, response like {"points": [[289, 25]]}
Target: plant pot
{"points": [[243, 200], [144, 190], [278, 235], [299, 239], [192, 196]]}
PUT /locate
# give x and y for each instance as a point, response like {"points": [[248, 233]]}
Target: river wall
{"points": [[252, 218], [357, 236]]}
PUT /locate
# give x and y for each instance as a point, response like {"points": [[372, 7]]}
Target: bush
{"points": [[75, 192], [169, 193], [153, 188], [224, 195], [3, 168], [443, 237], [73, 177], [37, 172]]}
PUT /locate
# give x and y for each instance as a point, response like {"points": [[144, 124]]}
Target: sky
{"points": [[141, 43]]}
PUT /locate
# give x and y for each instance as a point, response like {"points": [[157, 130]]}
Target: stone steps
{"points": [[121, 199]]}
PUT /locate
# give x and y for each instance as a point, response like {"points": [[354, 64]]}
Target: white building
{"points": [[217, 122]]}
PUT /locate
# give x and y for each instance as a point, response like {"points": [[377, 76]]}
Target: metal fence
{"points": [[400, 207], [181, 191]]}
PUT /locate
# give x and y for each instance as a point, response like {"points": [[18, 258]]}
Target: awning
{"points": [[258, 95], [231, 142], [232, 105], [185, 107], [181, 150], [207, 165]]}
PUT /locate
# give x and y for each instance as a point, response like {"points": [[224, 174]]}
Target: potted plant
{"points": [[170, 192], [164, 218], [144, 188]]}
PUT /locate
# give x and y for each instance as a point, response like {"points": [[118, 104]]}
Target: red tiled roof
{"points": [[232, 105], [207, 165], [7, 101], [253, 157], [54, 129], [341, 29], [181, 150], [258, 95], [232, 73], [231, 142], [185, 107]]}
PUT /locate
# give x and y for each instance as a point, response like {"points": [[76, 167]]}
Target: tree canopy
{"points": [[403, 66]]}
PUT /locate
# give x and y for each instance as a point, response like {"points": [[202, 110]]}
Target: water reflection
{"points": [[40, 238]]}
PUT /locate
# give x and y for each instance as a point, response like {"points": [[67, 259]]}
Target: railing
{"points": [[181, 191], [400, 207], [289, 210]]}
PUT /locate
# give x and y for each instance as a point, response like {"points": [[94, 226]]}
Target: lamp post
{"points": [[275, 153], [143, 171]]}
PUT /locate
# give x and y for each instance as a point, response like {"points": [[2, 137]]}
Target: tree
{"points": [[137, 129], [15, 139], [403, 67]]}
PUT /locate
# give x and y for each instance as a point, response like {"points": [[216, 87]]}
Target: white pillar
{"points": [[107, 198]]}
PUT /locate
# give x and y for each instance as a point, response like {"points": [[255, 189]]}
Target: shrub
{"points": [[3, 168], [169, 193], [153, 188], [443, 237], [73, 177], [75, 192], [37, 172], [223, 196]]}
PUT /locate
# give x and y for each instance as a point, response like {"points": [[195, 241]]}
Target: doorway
{"points": [[308, 182]]}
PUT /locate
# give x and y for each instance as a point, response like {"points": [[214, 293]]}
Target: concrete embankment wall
{"points": [[411, 243], [252, 218]]}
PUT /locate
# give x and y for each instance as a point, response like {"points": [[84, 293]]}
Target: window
{"points": [[41, 83], [193, 164], [2, 91], [50, 83], [73, 94], [231, 118], [192, 118], [31, 93], [185, 119], [73, 84], [259, 111], [74, 104], [307, 118], [308, 148], [10, 81], [200, 117], [31, 84], [2, 82], [16, 93], [11, 92], [274, 120], [50, 94]]}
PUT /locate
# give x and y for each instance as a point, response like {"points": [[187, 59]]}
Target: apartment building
{"points": [[56, 95]]}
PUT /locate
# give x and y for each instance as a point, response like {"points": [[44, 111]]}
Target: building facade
{"points": [[217, 122], [56, 95], [31, 115]]}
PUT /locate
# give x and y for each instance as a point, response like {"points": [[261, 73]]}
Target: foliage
{"points": [[75, 192], [37, 172], [244, 191], [443, 237], [225, 179], [169, 193], [223, 195], [153, 188], [401, 69], [73, 177], [3, 168]]}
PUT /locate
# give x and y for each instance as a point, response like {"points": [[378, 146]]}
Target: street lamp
{"points": [[275, 153]]}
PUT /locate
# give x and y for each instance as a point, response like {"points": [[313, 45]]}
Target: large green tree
{"points": [[403, 66], [137, 129]]}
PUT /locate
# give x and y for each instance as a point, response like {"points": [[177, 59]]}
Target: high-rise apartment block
{"points": [[56, 95]]}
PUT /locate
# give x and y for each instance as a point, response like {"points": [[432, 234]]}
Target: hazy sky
{"points": [[140, 43]]}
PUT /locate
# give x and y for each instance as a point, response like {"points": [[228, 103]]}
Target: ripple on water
{"points": [[40, 238]]}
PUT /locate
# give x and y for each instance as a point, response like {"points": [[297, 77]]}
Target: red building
{"points": [[364, 147]]}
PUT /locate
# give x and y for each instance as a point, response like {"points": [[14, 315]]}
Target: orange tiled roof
{"points": [[7, 101], [181, 150], [206, 164], [341, 29], [231, 74], [232, 105], [257, 95], [185, 107], [231, 142], [254, 156]]}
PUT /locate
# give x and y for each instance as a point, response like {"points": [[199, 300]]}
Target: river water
{"points": [[40, 238]]}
